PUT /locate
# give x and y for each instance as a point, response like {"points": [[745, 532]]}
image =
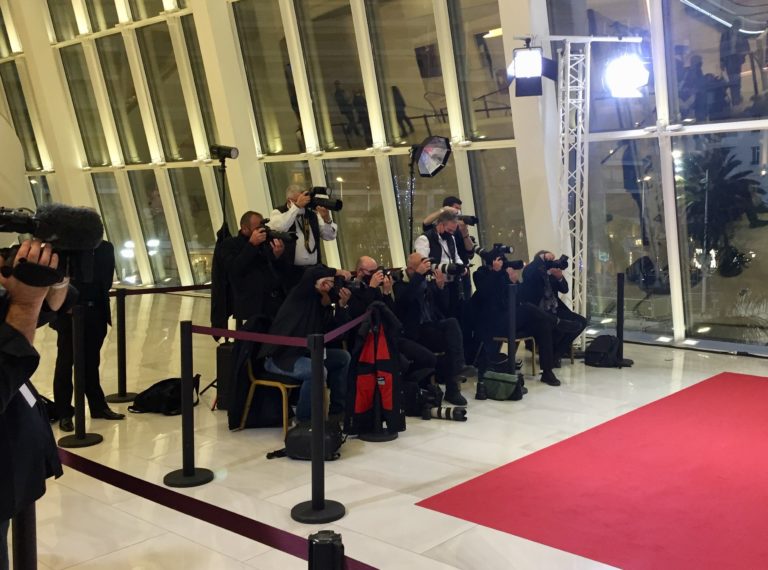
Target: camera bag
{"points": [[163, 397], [503, 386], [603, 352], [298, 443]]}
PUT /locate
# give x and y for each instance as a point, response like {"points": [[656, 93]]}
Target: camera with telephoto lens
{"points": [[447, 268], [321, 196], [469, 220], [454, 413], [561, 263], [499, 250], [275, 234]]}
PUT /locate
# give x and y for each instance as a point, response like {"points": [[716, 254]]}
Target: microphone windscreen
{"points": [[69, 227]]}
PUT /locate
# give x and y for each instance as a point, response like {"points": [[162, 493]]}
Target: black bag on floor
{"points": [[225, 363], [603, 352], [298, 443], [163, 397]]}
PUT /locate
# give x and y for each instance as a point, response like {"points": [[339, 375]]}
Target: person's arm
{"points": [[431, 218], [56, 296], [559, 283], [18, 361], [328, 228], [250, 256], [283, 221], [421, 245], [406, 293]]}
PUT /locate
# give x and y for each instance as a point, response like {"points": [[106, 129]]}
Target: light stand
{"points": [[432, 156]]}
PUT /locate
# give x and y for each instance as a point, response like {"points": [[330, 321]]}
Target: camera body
{"points": [[447, 268], [275, 234], [560, 263], [469, 220], [499, 250], [320, 196]]}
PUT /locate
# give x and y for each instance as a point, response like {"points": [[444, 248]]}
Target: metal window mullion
{"points": [[79, 141], [389, 204], [141, 87], [448, 66], [368, 71], [299, 72], [466, 190], [176, 234], [134, 226], [101, 95], [5, 110], [188, 89], [34, 114], [10, 28], [123, 11], [331, 253], [81, 17]]}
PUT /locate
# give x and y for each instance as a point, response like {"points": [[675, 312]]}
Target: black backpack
{"points": [[163, 397], [298, 443], [603, 352]]}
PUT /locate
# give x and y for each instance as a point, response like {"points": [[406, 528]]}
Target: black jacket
{"points": [[534, 281], [436, 251], [222, 302], [416, 296], [255, 277], [314, 226], [95, 293]]}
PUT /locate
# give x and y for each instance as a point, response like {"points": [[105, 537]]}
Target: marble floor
{"points": [[83, 523]]}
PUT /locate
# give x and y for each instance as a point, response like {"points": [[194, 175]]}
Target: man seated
{"points": [[314, 306], [420, 306], [490, 303]]}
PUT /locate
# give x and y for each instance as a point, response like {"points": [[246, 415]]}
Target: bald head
{"points": [[414, 260]]}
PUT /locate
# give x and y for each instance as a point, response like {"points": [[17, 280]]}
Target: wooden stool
{"points": [[523, 339]]}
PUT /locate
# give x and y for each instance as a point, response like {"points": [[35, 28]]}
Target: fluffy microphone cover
{"points": [[69, 227]]}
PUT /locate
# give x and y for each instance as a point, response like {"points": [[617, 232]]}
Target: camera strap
{"points": [[32, 274], [306, 229]]}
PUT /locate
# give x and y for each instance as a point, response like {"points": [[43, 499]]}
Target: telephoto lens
{"points": [[457, 414]]}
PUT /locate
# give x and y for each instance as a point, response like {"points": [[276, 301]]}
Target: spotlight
{"points": [[432, 155], [219, 152], [528, 67], [626, 75]]}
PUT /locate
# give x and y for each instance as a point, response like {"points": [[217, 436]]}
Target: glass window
{"points": [[362, 230], [122, 98], [409, 72], [482, 70], [722, 205], [233, 218], [328, 40], [627, 234], [716, 62], [428, 194], [195, 219], [63, 18], [5, 43], [84, 102], [116, 228], [20, 114], [201, 81], [270, 79], [40, 190], [149, 205], [102, 13], [142, 9], [498, 200], [165, 90], [281, 175]]}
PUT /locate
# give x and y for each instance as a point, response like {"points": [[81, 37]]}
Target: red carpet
{"points": [[680, 483]]}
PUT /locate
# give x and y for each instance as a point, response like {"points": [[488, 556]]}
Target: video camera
{"points": [[275, 234], [320, 196], [499, 250], [469, 220], [561, 263]]}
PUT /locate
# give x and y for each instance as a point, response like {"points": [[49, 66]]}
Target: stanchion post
{"points": [[80, 438], [512, 327], [620, 315], [188, 475], [318, 510], [122, 394], [25, 539], [379, 434]]}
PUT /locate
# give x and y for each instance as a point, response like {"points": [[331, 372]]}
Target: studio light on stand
{"points": [[431, 156], [626, 75], [528, 67], [222, 153]]}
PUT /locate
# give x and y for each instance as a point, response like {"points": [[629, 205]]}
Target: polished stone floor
{"points": [[83, 523]]}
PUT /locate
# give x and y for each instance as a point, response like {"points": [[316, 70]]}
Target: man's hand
{"points": [[30, 251], [424, 266], [376, 279], [513, 275], [556, 273], [258, 237], [303, 199], [439, 278], [278, 247], [344, 295], [324, 213], [345, 274], [386, 285], [498, 263]]}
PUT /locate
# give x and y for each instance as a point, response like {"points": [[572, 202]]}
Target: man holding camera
{"points": [[420, 305], [311, 224], [27, 447], [542, 282]]}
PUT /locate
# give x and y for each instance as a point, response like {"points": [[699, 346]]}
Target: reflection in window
{"points": [[195, 220], [408, 67], [154, 228], [102, 13], [20, 114], [362, 230], [142, 9], [122, 98], [498, 201], [40, 190], [328, 40], [428, 194], [165, 89], [482, 70], [627, 234], [270, 79], [281, 175], [116, 228], [84, 102], [5, 43], [198, 72], [63, 18], [722, 205]]}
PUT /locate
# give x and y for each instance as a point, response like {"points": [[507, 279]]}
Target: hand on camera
{"points": [[556, 273], [344, 295], [34, 252], [377, 279], [424, 266], [303, 199], [345, 274], [258, 237], [278, 247], [323, 213], [498, 263], [439, 278], [513, 275], [386, 285]]}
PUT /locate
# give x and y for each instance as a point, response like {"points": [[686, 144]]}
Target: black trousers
{"points": [[4, 544], [415, 356], [95, 333], [444, 337], [569, 326]]}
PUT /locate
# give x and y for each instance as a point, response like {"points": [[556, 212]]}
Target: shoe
{"points": [[65, 424], [453, 395], [107, 414], [518, 364], [468, 370], [549, 378], [557, 363]]}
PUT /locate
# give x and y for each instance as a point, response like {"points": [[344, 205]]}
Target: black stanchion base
{"points": [[121, 398], [178, 479], [377, 437], [87, 441], [304, 513]]}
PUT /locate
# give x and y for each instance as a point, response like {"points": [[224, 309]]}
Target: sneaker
{"points": [[549, 378]]}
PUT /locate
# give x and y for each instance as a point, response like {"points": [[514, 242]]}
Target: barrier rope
{"points": [[152, 290]]}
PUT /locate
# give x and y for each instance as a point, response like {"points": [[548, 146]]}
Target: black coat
{"points": [[222, 302], [534, 281], [413, 295], [255, 277], [95, 293]]}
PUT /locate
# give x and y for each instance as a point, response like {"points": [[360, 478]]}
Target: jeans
{"points": [[336, 368]]}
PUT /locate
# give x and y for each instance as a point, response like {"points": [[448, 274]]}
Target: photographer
{"points": [[420, 305], [542, 282], [256, 266], [465, 245], [310, 224], [27, 447], [309, 309], [490, 304]]}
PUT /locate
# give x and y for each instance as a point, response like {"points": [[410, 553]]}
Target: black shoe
{"points": [[107, 414], [549, 378], [453, 395], [65, 424]]}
